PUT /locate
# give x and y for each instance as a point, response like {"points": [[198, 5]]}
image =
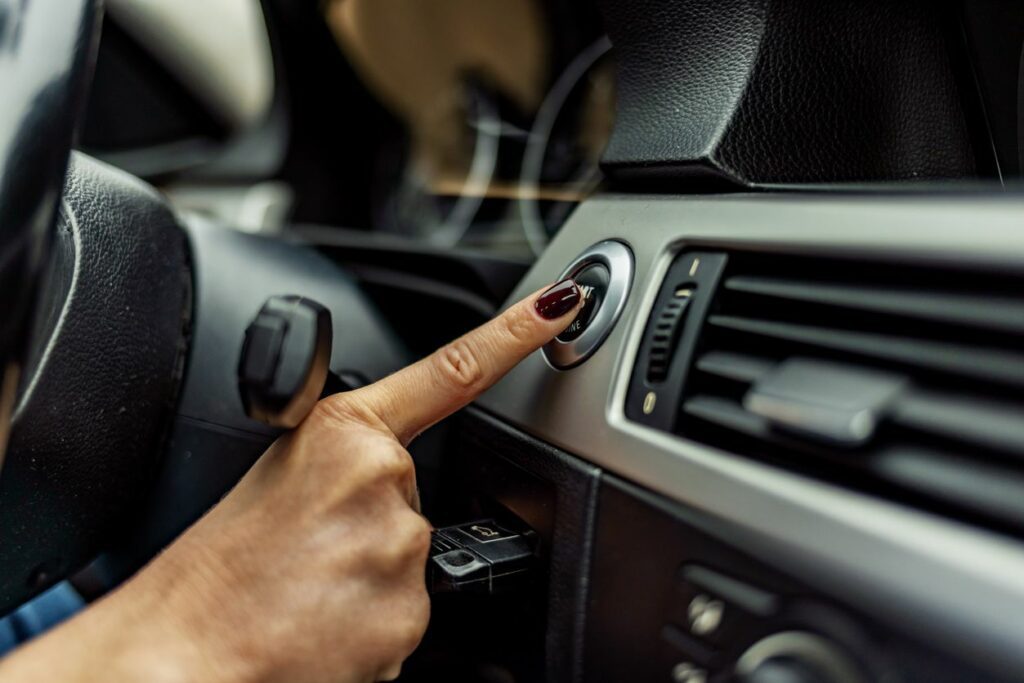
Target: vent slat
{"points": [[992, 490], [729, 414], [988, 424], [991, 365], [734, 366], [1005, 315]]}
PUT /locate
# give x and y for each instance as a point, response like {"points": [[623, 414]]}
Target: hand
{"points": [[312, 568]]}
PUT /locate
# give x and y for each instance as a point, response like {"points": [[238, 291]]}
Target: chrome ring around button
{"points": [[618, 259]]}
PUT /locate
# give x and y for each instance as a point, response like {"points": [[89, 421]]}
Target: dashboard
{"points": [[668, 506]]}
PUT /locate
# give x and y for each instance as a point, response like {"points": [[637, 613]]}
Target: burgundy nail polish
{"points": [[558, 300]]}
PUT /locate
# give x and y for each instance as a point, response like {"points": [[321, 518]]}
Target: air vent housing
{"points": [[669, 337], [906, 381]]}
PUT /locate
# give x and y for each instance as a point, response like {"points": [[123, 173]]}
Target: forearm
{"points": [[106, 642], [137, 633]]}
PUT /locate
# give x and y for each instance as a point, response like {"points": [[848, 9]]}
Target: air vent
{"points": [[906, 381], [656, 385]]}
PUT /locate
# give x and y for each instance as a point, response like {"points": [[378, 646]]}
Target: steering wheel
{"points": [[46, 53], [44, 62], [126, 421]]}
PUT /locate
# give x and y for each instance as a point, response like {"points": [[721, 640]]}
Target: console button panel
{"points": [[671, 599]]}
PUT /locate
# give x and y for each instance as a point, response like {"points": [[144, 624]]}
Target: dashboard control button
{"points": [[480, 557], [782, 671], [704, 614], [484, 532], [796, 657], [749, 598], [685, 672], [716, 609], [606, 269], [681, 645], [593, 283], [458, 569]]}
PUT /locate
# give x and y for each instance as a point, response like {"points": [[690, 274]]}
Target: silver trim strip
{"points": [[959, 587]]}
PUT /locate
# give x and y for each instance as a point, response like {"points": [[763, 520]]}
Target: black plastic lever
{"points": [[283, 366]]}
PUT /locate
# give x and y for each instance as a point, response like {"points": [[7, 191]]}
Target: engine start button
{"points": [[593, 283], [604, 273]]}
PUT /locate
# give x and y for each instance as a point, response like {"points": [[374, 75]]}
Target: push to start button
{"points": [[593, 283], [604, 273]]}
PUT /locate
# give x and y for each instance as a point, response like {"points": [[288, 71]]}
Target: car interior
{"points": [[782, 442]]}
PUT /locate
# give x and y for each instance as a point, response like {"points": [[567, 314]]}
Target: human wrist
{"points": [[183, 628]]}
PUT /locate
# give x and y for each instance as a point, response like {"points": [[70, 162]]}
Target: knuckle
{"points": [[391, 465], [417, 613], [390, 672], [519, 326], [406, 551], [410, 637], [414, 535], [391, 559], [401, 462], [459, 366], [419, 538]]}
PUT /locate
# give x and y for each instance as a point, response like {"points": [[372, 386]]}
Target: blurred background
{"points": [[471, 123], [475, 124]]}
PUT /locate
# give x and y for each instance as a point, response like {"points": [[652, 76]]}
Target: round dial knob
{"points": [[785, 670], [796, 657]]}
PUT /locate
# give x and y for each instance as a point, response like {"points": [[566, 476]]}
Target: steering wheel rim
{"points": [[47, 53]]}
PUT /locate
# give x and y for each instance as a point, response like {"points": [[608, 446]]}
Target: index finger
{"points": [[429, 390]]}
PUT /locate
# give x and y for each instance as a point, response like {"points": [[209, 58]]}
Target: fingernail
{"points": [[558, 300]]}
